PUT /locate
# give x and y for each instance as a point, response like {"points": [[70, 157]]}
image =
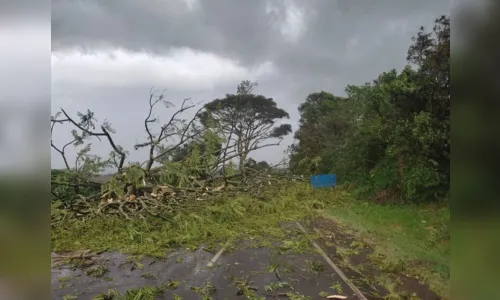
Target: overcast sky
{"points": [[106, 55]]}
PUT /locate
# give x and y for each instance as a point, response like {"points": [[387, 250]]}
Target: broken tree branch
{"points": [[98, 134]]}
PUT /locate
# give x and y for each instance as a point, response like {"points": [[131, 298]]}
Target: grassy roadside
{"points": [[416, 235]]}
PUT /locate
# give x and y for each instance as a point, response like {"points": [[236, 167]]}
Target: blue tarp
{"points": [[323, 180]]}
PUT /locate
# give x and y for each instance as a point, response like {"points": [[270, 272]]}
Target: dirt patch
{"points": [[374, 276]]}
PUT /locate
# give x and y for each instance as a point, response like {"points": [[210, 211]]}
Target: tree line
{"points": [[390, 138]]}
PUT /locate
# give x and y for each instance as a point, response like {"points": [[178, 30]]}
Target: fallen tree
{"points": [[188, 160]]}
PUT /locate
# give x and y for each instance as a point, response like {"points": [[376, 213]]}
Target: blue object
{"points": [[324, 180]]}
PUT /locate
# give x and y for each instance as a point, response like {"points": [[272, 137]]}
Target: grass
{"points": [[411, 238]]}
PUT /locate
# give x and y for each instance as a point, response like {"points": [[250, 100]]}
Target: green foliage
{"points": [[254, 166], [131, 175], [392, 136], [245, 108], [201, 223], [145, 293], [193, 159], [246, 119], [229, 169], [66, 185]]}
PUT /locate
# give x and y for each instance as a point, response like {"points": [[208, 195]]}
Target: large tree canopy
{"points": [[323, 122], [247, 119]]}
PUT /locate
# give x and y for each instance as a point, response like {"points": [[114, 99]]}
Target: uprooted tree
{"points": [[188, 160]]}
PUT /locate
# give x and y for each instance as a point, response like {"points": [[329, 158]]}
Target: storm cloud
{"points": [[108, 54]]}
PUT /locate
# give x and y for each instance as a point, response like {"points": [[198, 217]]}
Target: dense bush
{"points": [[390, 138]]}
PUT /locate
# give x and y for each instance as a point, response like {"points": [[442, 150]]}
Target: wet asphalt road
{"points": [[305, 274]]}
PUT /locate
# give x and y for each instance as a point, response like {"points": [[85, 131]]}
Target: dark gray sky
{"points": [[108, 54]]}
